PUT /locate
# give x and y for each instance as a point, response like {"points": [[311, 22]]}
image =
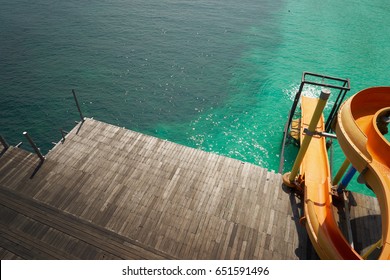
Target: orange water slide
{"points": [[321, 226], [367, 149]]}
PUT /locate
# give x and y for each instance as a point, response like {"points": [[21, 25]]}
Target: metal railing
{"points": [[78, 106], [34, 146], [4, 143], [32, 143], [343, 85]]}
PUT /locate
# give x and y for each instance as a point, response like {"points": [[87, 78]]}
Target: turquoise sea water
{"points": [[215, 75]]}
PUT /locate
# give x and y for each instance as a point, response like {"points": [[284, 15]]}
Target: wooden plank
{"points": [[188, 202], [82, 230]]}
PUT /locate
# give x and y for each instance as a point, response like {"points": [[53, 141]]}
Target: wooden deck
{"points": [[112, 193]]}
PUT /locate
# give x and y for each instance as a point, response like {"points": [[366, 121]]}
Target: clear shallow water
{"points": [[216, 75]]}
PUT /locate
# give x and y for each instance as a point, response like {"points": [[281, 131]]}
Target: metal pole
{"points": [[295, 103], [346, 180], [287, 125], [36, 149], [324, 96], [78, 106], [63, 135], [341, 172], [328, 135], [4, 143]]}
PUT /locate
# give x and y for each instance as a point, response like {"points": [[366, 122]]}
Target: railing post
{"points": [[288, 123], [63, 135], [78, 106], [36, 149], [4, 143]]}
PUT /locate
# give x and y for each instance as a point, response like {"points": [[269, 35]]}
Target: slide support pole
{"points": [[324, 96]]}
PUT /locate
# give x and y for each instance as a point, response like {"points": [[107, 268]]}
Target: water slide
{"points": [[367, 150], [321, 226], [358, 132]]}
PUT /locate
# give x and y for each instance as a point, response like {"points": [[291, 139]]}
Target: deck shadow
{"points": [[367, 230], [36, 169], [305, 250]]}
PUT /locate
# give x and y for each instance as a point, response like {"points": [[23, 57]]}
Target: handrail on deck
{"points": [[4, 143], [34, 146]]}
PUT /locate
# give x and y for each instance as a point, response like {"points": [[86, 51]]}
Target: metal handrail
{"points": [[328, 78], [78, 106], [4, 143], [34, 146], [344, 88]]}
